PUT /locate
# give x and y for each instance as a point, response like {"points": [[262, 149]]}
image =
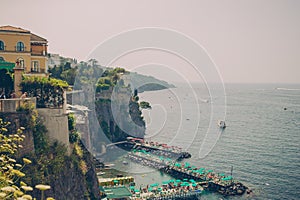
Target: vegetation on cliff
{"points": [[109, 79], [70, 176], [91, 71], [145, 105], [13, 184], [74, 135], [108, 82]]}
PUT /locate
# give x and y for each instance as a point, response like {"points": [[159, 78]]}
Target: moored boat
{"points": [[221, 124]]}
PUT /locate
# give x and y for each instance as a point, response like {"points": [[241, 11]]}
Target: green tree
{"points": [[6, 82]]}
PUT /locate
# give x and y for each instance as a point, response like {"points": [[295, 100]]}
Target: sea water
{"points": [[261, 142]]}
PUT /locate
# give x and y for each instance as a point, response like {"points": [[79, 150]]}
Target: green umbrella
{"points": [[165, 182], [150, 189], [159, 189], [136, 190], [171, 181], [177, 164], [116, 181], [131, 187], [194, 184], [154, 184], [227, 178], [222, 174], [192, 180], [178, 180]]}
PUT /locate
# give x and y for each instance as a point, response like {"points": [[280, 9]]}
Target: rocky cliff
{"points": [[71, 177]]}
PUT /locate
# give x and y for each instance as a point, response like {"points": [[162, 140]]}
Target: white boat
{"points": [[221, 124], [100, 173]]}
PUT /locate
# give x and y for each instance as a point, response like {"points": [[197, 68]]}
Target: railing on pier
{"points": [[112, 144], [13, 105], [182, 195]]}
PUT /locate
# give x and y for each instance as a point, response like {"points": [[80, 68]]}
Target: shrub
{"points": [[11, 184]]}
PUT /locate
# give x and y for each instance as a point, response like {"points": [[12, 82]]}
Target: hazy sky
{"points": [[249, 40]]}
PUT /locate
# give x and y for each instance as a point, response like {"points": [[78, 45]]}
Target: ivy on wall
{"points": [[74, 135], [48, 91]]}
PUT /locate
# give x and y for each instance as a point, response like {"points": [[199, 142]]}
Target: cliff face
{"points": [[114, 114], [75, 180], [119, 119]]}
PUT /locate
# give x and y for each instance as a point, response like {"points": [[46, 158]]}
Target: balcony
{"points": [[37, 70], [38, 53]]}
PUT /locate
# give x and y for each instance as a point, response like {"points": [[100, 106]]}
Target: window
{"points": [[20, 46], [35, 66], [1, 45], [20, 62], [1, 59]]}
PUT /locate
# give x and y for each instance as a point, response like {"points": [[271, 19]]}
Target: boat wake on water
{"points": [[289, 89]]}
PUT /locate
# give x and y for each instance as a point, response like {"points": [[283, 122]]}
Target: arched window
{"points": [[21, 63], [2, 46], [20, 46]]}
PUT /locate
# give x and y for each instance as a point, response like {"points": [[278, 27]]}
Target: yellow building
{"points": [[27, 50]]}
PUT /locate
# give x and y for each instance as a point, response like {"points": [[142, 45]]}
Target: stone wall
{"points": [[17, 120], [56, 122]]}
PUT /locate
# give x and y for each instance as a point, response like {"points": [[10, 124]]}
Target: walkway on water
{"points": [[157, 149], [116, 143], [211, 181]]}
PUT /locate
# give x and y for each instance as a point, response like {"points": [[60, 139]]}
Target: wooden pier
{"points": [[209, 180]]}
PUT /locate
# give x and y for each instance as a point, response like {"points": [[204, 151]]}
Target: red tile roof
{"points": [[33, 37], [36, 38], [13, 29]]}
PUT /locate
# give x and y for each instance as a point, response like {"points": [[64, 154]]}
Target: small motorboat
{"points": [[100, 173], [221, 124], [125, 162]]}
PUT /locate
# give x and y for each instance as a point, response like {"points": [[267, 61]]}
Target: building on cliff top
{"points": [[56, 60], [24, 49]]}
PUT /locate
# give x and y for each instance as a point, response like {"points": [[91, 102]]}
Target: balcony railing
{"points": [[17, 104], [38, 53]]}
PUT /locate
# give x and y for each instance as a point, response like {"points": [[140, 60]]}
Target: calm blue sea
{"points": [[261, 142]]}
